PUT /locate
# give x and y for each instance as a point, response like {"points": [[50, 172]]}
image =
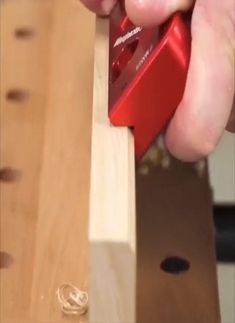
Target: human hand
{"points": [[207, 107]]}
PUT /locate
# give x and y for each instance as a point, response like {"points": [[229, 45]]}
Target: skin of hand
{"points": [[207, 106]]}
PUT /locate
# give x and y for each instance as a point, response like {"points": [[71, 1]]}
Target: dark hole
{"points": [[175, 265], [6, 260], [8, 174], [17, 95], [124, 86], [132, 46], [116, 73], [24, 32], [123, 59]]}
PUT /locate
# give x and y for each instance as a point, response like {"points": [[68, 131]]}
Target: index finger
{"points": [[202, 116]]}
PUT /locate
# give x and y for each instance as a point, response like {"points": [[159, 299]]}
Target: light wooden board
{"points": [[46, 137], [222, 170], [174, 218], [226, 275], [112, 205]]}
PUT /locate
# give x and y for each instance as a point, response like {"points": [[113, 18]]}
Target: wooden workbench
{"points": [[48, 160], [46, 100]]}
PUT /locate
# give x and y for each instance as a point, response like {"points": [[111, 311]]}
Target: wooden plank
{"points": [[46, 137], [226, 275], [222, 170], [112, 205], [174, 223]]}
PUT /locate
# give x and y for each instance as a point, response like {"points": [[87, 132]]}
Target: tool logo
{"points": [[122, 39]]}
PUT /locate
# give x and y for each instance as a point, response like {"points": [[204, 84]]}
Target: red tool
{"points": [[147, 74]]}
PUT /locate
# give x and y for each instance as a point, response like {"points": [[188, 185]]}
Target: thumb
{"points": [[100, 7], [150, 13]]}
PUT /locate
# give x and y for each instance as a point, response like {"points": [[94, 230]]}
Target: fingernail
{"points": [[147, 12], [107, 6]]}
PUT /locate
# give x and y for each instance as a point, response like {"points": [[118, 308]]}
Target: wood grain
{"points": [[46, 99], [112, 205], [46, 137]]}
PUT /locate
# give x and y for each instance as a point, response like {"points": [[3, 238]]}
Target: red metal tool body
{"points": [[147, 74]]}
